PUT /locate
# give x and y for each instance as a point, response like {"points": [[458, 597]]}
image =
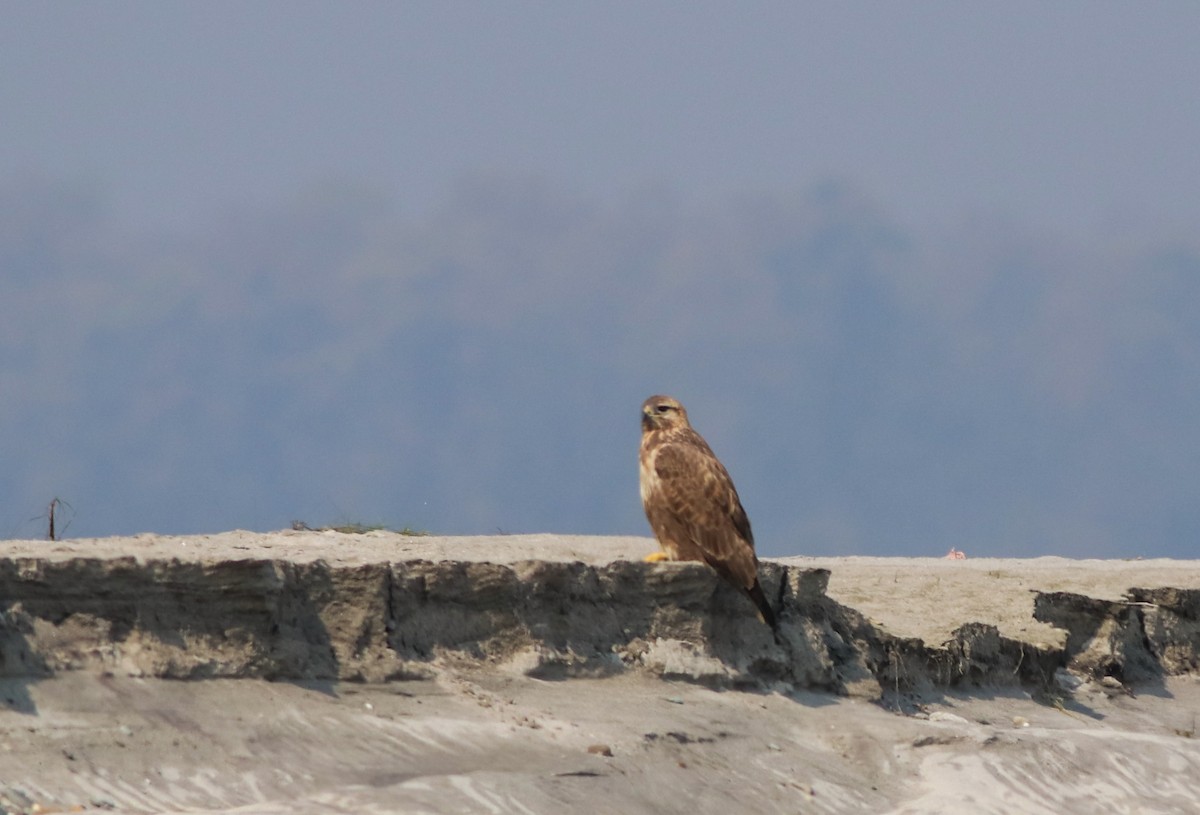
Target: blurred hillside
{"points": [[991, 387]]}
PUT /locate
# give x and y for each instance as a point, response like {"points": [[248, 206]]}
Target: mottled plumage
{"points": [[691, 503]]}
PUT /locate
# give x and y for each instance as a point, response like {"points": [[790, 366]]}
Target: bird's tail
{"points": [[764, 608]]}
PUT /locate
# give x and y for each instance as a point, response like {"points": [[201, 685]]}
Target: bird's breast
{"points": [[648, 476]]}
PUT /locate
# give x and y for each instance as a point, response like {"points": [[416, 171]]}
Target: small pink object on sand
{"points": [[955, 554]]}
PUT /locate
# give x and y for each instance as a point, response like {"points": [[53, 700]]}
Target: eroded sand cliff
{"points": [[424, 674]]}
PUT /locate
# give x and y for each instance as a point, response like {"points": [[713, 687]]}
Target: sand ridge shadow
{"points": [[312, 622]]}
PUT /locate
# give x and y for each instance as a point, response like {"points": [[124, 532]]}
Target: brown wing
{"points": [[696, 504]]}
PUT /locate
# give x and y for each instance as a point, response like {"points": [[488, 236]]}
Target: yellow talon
{"points": [[656, 557]]}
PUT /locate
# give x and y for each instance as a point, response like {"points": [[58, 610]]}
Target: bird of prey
{"points": [[691, 503]]}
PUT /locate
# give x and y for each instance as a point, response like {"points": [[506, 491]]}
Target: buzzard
{"points": [[691, 502]]}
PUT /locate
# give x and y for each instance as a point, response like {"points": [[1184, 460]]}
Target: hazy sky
{"points": [[1075, 116], [927, 274]]}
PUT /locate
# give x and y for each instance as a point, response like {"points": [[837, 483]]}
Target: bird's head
{"points": [[660, 412]]}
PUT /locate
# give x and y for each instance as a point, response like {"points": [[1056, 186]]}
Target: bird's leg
{"points": [[656, 557]]}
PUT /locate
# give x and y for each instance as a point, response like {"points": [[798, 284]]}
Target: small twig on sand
{"points": [[55, 503]]}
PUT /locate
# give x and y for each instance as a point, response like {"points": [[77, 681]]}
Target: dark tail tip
{"points": [[764, 608]]}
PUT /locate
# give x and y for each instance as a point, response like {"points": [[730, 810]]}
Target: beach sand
{"points": [[96, 717]]}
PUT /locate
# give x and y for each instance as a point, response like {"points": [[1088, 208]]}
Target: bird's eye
{"points": [[661, 408]]}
